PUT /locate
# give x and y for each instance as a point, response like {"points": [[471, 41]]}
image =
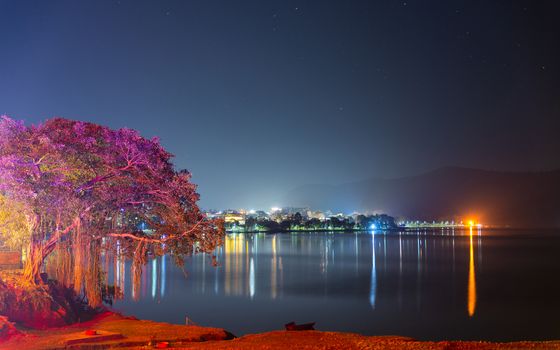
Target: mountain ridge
{"points": [[504, 198]]}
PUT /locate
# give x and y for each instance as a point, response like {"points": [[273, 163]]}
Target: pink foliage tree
{"points": [[86, 185]]}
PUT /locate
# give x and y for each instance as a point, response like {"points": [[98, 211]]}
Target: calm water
{"points": [[494, 285]]}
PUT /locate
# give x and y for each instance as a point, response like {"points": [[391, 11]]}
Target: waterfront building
{"points": [[232, 216]]}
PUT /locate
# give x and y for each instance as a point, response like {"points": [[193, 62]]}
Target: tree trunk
{"points": [[34, 262], [38, 252]]}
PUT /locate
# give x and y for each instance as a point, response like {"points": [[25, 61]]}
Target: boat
{"points": [[292, 326]]}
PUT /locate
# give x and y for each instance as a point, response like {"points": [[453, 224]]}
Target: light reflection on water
{"points": [[421, 284], [472, 278], [373, 281]]}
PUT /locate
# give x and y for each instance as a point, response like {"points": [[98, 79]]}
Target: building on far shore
{"points": [[232, 216], [257, 214]]}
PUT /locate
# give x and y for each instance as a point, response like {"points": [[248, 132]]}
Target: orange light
{"points": [[471, 223], [471, 303]]}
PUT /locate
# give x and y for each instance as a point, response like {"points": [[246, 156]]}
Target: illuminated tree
{"points": [[85, 187], [15, 227]]}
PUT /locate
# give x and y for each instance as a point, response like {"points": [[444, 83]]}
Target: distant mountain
{"points": [[515, 199]]}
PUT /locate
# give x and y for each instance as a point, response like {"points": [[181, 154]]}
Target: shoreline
{"points": [[115, 331], [399, 229]]}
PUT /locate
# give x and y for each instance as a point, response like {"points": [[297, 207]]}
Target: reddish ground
{"points": [[349, 341], [137, 334]]}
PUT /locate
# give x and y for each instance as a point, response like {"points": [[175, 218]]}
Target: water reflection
{"points": [[472, 278], [395, 260], [252, 279], [163, 275], [119, 272], [351, 281], [373, 283], [273, 270]]}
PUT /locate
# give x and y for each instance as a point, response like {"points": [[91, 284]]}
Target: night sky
{"points": [[258, 97]]}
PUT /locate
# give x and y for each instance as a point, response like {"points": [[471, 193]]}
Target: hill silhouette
{"points": [[513, 199]]}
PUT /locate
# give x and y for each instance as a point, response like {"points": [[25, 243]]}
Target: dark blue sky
{"points": [[258, 97]]}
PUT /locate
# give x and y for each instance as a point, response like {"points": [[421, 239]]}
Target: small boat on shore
{"points": [[292, 326]]}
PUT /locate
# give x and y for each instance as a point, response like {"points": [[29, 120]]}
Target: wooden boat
{"points": [[292, 326]]}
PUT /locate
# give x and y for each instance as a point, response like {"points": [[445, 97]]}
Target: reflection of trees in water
{"points": [[138, 260], [84, 264], [76, 263]]}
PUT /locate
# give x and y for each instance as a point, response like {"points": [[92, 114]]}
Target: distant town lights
{"points": [[373, 227]]}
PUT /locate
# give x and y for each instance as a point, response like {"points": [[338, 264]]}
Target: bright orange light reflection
{"points": [[472, 279], [273, 269]]}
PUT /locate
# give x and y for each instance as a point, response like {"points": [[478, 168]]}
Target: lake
{"points": [[430, 285]]}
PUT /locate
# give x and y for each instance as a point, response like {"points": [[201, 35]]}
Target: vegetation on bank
{"points": [[296, 223]]}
